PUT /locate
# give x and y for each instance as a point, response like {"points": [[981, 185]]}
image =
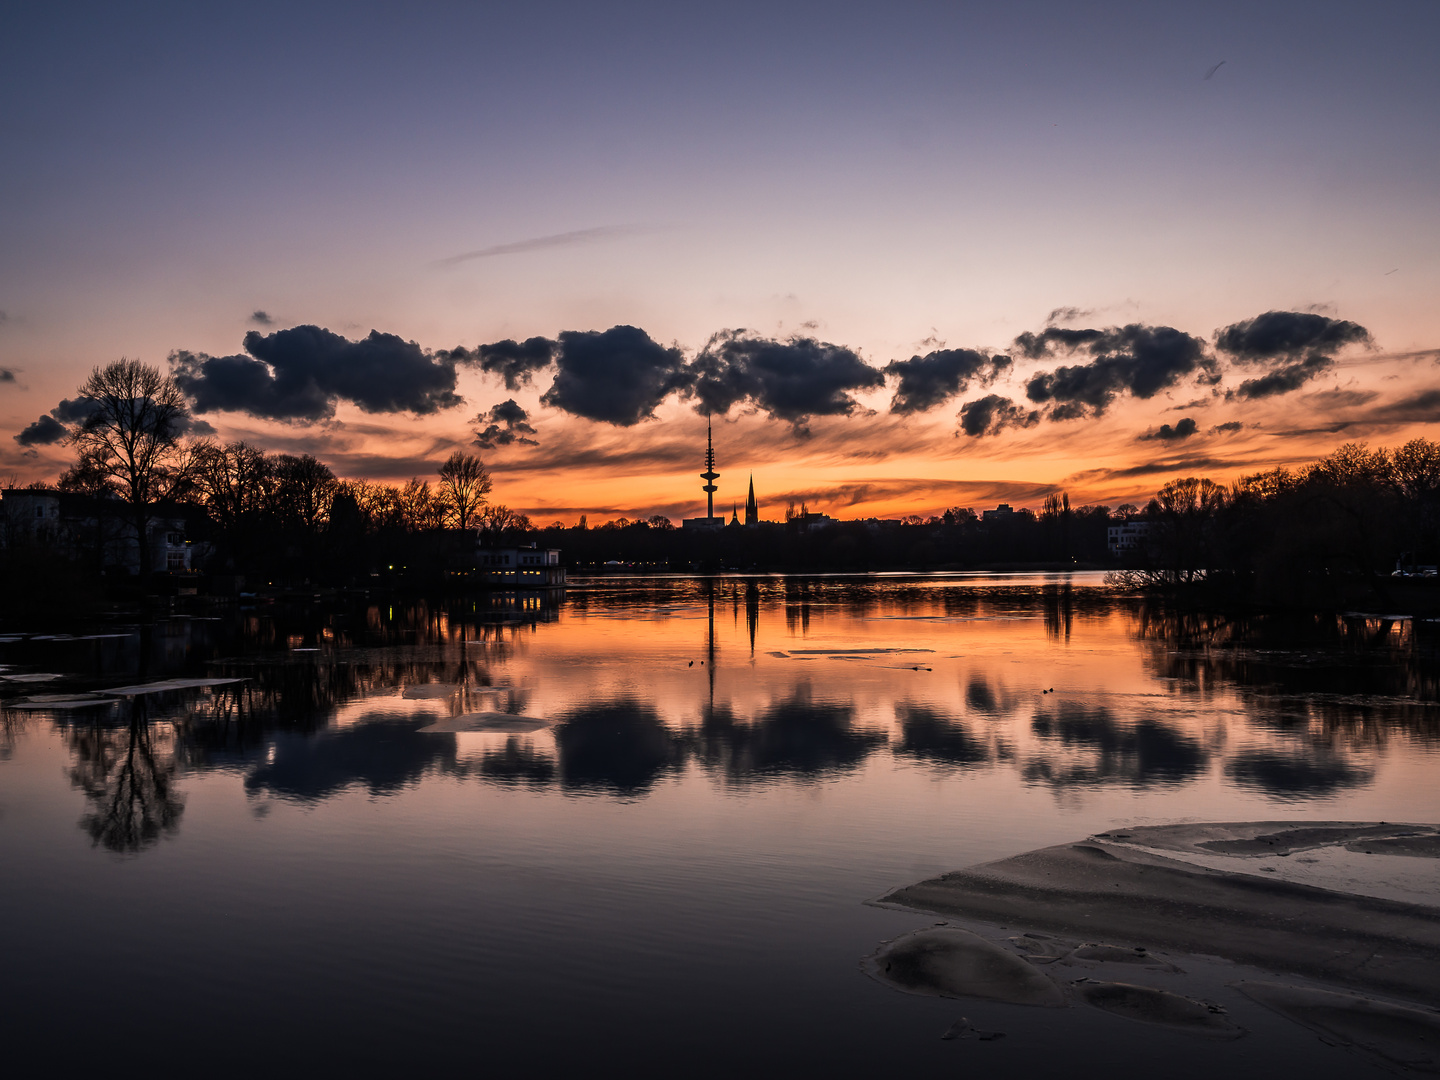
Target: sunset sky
{"points": [[1096, 245]]}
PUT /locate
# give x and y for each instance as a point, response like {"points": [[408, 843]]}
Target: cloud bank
{"points": [[1296, 345], [1181, 431], [505, 423], [992, 414], [930, 380], [515, 361], [791, 380], [616, 376], [1136, 359], [301, 374], [574, 238], [620, 376], [57, 423]]}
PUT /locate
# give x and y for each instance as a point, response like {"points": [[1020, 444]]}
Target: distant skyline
{"points": [[915, 187]]}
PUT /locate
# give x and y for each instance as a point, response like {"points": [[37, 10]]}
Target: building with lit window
{"points": [[521, 567]]}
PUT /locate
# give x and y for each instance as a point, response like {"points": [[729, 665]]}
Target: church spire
{"points": [[752, 512]]}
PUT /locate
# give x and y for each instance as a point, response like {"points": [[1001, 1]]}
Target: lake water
{"points": [[659, 863]]}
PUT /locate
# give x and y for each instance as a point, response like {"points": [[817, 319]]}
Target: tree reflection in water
{"points": [[127, 773]]}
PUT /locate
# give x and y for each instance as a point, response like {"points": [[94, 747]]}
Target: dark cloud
{"points": [[992, 414], [619, 746], [931, 736], [1432, 355], [791, 380], [261, 318], [616, 376], [1290, 377], [56, 425], [1341, 399], [380, 754], [794, 736], [43, 432], [1185, 466], [932, 379], [6, 375], [1103, 749], [515, 361], [1067, 314], [506, 423], [301, 373], [1421, 408], [74, 410], [1231, 425], [555, 240], [1324, 429], [191, 425], [1296, 776], [1298, 345], [1182, 430], [1138, 359]]}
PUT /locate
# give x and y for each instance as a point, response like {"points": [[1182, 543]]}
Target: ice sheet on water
{"points": [[166, 685], [46, 702]]}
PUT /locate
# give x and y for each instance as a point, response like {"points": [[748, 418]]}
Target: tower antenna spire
{"points": [[709, 475]]}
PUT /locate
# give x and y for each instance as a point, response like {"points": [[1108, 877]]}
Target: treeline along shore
{"points": [[145, 503]]}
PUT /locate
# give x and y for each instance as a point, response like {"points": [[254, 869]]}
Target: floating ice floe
{"points": [[33, 677], [60, 702], [165, 686], [428, 691]]}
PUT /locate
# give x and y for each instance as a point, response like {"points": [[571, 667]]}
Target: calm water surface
{"points": [[288, 875]]}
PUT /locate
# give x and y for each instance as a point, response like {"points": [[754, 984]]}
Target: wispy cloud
{"points": [[577, 238]]}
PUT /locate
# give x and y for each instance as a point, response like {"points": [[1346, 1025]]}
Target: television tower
{"points": [[709, 475]]}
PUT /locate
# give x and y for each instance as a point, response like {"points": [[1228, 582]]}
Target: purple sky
{"points": [[881, 177]]}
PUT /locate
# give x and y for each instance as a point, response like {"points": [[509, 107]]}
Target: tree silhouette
{"points": [[464, 482], [130, 441]]}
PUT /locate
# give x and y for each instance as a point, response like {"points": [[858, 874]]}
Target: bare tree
{"points": [[234, 481], [420, 508], [464, 483], [495, 521], [130, 442], [304, 489], [1184, 513]]}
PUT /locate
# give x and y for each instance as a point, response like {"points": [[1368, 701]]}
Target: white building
{"points": [[521, 567], [1131, 536]]}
